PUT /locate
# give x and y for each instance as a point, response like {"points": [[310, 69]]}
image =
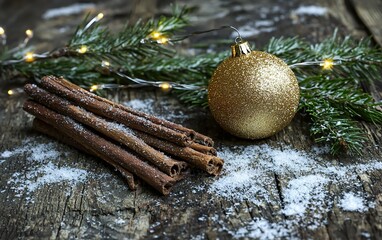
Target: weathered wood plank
{"points": [[341, 10], [103, 206], [370, 12], [96, 205]]}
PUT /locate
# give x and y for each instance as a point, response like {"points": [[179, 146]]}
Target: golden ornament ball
{"points": [[253, 94]]}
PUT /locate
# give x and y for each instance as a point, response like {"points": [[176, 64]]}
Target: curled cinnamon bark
{"points": [[205, 140], [102, 147], [211, 164], [107, 110], [50, 131], [63, 107], [203, 149], [113, 130]]}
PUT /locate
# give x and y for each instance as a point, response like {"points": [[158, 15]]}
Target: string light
{"points": [[3, 37], [83, 49], [165, 86], [105, 63], [93, 88], [29, 33], [327, 64], [155, 35], [99, 16], [15, 91], [29, 57], [158, 37], [163, 40], [109, 86], [91, 22]]}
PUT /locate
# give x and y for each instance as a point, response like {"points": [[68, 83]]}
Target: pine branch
{"points": [[333, 99], [129, 46], [334, 105], [194, 98], [195, 70], [331, 126], [130, 41]]}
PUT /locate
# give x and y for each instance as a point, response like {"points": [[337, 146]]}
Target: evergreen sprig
{"points": [[335, 105], [334, 100]]}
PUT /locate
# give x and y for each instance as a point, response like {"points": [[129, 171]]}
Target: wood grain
{"points": [[104, 207], [370, 12]]}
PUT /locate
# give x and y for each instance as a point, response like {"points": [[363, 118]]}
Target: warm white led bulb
{"points": [[327, 64], [93, 88], [165, 86], [100, 16], [83, 49], [29, 57], [29, 33]]}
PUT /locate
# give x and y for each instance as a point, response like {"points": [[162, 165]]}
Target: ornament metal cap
{"points": [[240, 48]]}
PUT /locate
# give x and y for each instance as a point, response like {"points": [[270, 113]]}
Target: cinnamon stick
{"points": [[203, 149], [102, 147], [205, 140], [115, 131], [59, 135], [211, 164], [108, 111]]}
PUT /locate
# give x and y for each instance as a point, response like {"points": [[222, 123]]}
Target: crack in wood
{"points": [[62, 216], [279, 189], [93, 218]]}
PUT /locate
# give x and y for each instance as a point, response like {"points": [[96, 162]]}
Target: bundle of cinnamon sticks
{"points": [[135, 143]]}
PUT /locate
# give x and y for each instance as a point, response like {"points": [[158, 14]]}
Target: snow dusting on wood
{"points": [[250, 171], [42, 167]]}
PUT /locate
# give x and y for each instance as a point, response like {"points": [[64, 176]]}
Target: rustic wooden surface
{"points": [[78, 212]]}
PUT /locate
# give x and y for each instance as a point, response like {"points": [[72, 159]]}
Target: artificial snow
{"points": [[37, 152], [120, 221], [6, 154], [145, 105], [120, 127], [41, 168], [68, 10], [262, 229], [249, 176], [47, 175], [311, 10], [301, 191], [352, 202]]}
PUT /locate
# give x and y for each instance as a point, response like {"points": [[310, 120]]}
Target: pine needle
{"points": [[334, 100]]}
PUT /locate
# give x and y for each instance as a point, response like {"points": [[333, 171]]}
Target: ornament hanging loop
{"points": [[238, 39]]}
